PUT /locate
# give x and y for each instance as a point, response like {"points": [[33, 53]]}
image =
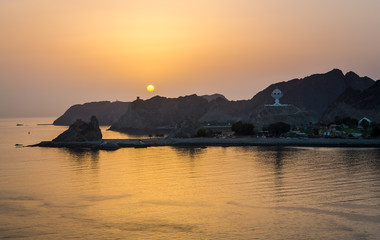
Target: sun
{"points": [[150, 88]]}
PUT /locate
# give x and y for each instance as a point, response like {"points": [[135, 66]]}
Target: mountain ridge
{"points": [[310, 98]]}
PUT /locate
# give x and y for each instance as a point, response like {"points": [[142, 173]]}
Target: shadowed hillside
{"points": [[161, 112], [356, 104], [314, 93]]}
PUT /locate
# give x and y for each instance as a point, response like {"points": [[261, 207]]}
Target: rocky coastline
{"points": [[114, 144], [82, 135]]}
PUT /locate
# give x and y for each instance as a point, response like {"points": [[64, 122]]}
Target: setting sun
{"points": [[150, 88]]}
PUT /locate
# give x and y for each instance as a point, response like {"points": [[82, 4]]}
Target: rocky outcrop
{"points": [[266, 115], [81, 131], [106, 112], [356, 104], [186, 129]]}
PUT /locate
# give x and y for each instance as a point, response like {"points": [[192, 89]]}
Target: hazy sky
{"points": [[54, 54]]}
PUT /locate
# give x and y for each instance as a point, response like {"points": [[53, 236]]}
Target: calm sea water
{"points": [[184, 193]]}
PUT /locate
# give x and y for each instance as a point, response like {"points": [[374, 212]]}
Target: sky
{"points": [[54, 54]]}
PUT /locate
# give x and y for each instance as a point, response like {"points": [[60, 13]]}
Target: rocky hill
{"points": [[161, 112], [106, 112], [356, 104], [168, 112], [314, 93]]}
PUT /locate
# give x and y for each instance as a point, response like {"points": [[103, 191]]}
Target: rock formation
{"points": [[81, 131], [106, 112], [266, 115], [186, 129]]}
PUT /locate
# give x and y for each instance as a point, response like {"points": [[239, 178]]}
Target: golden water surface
{"points": [[184, 193]]}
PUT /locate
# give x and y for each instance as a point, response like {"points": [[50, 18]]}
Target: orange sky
{"points": [[54, 54]]}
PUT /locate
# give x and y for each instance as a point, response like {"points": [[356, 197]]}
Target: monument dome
{"points": [[277, 94]]}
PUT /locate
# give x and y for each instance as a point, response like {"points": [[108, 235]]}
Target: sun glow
{"points": [[150, 88]]}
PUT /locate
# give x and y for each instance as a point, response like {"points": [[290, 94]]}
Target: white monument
{"points": [[277, 94]]}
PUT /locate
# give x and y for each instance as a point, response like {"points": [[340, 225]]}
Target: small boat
{"points": [[19, 124]]}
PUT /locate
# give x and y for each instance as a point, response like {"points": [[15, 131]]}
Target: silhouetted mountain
{"points": [[106, 112], [223, 111], [314, 93], [215, 96], [161, 112], [168, 112], [309, 98], [356, 82], [356, 104]]}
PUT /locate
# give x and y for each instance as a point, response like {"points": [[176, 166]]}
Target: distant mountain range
{"points": [[319, 97]]}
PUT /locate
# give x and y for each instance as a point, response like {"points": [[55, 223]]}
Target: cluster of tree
{"points": [[277, 129], [375, 133], [242, 129], [348, 121], [203, 132]]}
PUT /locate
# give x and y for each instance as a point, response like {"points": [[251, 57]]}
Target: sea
{"points": [[183, 192]]}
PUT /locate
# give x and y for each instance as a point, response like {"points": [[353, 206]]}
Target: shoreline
{"points": [[114, 144]]}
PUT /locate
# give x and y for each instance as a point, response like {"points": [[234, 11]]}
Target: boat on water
{"points": [[19, 124]]}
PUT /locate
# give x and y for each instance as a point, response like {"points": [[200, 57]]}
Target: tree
{"points": [[338, 120], [351, 122], [375, 133], [279, 128], [203, 132], [243, 129]]}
